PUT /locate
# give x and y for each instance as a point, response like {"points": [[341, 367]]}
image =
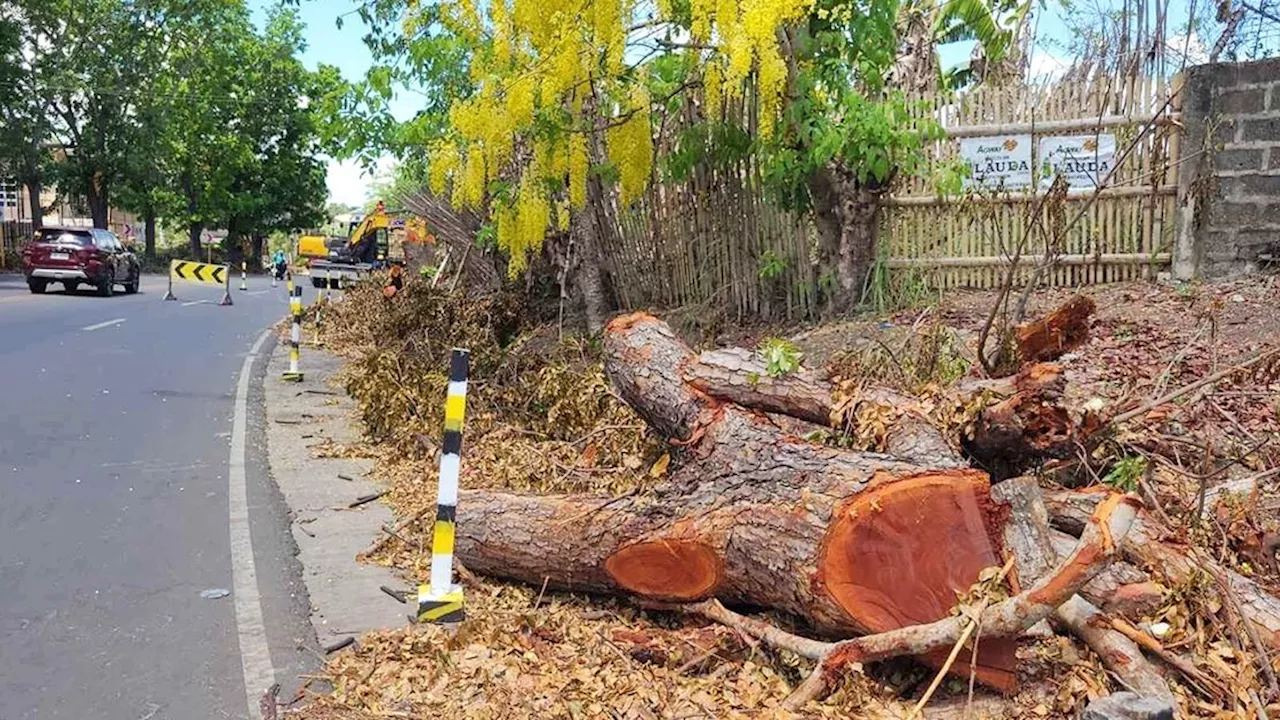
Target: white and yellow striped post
{"points": [[295, 332], [321, 302], [441, 600], [244, 275]]}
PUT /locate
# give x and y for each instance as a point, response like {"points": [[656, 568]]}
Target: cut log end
{"points": [[902, 553], [672, 570]]}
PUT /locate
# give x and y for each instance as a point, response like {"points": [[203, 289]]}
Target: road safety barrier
{"points": [[441, 600], [295, 332], [201, 273]]}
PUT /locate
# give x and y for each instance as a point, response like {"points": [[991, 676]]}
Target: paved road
{"points": [[115, 418]]}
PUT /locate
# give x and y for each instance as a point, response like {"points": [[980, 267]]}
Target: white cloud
{"points": [[348, 182], [1045, 66]]}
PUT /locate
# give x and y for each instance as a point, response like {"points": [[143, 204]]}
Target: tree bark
{"points": [[587, 273], [858, 233], [1148, 547], [149, 235], [741, 376]]}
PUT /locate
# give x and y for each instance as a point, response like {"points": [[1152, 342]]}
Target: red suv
{"points": [[75, 255]]}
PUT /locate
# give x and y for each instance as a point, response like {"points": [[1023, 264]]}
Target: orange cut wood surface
{"points": [[903, 553], [671, 569]]}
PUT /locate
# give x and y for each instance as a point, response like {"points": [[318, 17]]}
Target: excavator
{"points": [[375, 241]]}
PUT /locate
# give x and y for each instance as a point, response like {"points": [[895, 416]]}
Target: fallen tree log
{"points": [[740, 376], [1103, 536], [847, 554], [1149, 547], [1027, 426], [851, 542]]}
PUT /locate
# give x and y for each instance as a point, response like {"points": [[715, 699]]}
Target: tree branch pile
{"points": [[851, 542]]}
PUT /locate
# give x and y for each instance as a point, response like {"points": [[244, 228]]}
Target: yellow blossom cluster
{"points": [[551, 83]]}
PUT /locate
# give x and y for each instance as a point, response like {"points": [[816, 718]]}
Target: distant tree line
{"points": [[175, 109]]}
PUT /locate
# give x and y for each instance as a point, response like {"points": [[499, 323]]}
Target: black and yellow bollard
{"points": [[295, 333], [244, 275], [441, 600]]}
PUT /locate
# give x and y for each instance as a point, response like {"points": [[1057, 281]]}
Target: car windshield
{"points": [[63, 237]]}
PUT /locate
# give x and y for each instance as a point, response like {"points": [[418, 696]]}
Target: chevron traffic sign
{"points": [[200, 272]]}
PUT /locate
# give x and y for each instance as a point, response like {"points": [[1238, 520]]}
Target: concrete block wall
{"points": [[1229, 182]]}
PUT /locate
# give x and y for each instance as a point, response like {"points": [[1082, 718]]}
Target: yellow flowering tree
{"points": [[554, 132]]}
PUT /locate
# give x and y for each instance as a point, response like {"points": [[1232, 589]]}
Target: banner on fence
{"points": [[999, 162], [1083, 160]]}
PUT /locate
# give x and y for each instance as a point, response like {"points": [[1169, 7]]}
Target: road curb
{"points": [[345, 595]]}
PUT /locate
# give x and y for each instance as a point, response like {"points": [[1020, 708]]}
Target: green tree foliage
{"points": [[25, 126]]}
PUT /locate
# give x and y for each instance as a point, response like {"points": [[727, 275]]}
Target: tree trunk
{"points": [[149, 235], [193, 239], [750, 515], [859, 226], [599, 224], [99, 203], [587, 275], [255, 252], [846, 216], [34, 190], [1022, 430], [838, 556]]}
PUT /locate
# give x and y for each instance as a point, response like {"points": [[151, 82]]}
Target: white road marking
{"points": [[255, 657], [194, 302], [257, 292], [101, 325]]}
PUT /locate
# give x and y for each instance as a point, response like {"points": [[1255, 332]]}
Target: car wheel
{"points": [[37, 285], [131, 287], [71, 285], [107, 285]]}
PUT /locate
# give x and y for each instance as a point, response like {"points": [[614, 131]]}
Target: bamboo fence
{"points": [[712, 245], [1125, 233]]}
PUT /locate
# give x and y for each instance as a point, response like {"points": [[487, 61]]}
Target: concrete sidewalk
{"points": [[345, 599]]}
